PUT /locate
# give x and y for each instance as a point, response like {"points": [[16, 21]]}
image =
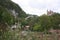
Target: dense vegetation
{"points": [[8, 18], [46, 22], [6, 8], [37, 23]]}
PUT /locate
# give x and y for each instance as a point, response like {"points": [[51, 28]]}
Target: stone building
{"points": [[49, 13]]}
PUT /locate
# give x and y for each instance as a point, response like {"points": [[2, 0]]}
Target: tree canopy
{"points": [[46, 22]]}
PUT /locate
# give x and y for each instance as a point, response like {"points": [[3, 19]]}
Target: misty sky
{"points": [[38, 7]]}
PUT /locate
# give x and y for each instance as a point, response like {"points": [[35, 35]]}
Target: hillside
{"points": [[12, 7], [10, 13]]}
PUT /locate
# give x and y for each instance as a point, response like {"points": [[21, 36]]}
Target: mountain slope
{"points": [[11, 6]]}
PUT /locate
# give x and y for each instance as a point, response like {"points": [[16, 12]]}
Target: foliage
{"points": [[5, 18], [55, 20], [46, 22]]}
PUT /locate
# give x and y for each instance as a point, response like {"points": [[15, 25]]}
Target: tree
{"points": [[55, 20], [46, 22], [43, 23], [5, 18]]}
